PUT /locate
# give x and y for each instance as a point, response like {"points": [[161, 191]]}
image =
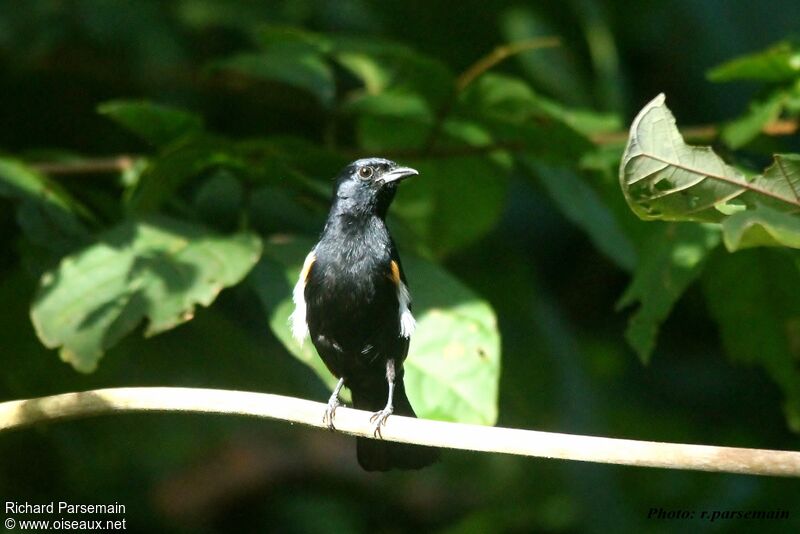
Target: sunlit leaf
{"points": [[744, 129], [452, 370], [48, 215], [21, 182], [156, 269], [670, 262], [779, 63], [762, 227], [664, 178]]}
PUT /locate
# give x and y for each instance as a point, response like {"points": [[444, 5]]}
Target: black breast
{"points": [[352, 308]]}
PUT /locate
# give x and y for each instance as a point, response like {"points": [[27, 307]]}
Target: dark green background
{"points": [[565, 364]]}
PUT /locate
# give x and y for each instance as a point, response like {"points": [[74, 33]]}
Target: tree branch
{"points": [[15, 414], [114, 164]]}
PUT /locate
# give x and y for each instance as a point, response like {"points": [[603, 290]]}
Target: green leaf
{"points": [[754, 296], [297, 67], [453, 366], [779, 63], [670, 262], [555, 70], [276, 37], [155, 123], [510, 98], [47, 214], [219, 200], [392, 103], [20, 182], [156, 269], [664, 178], [366, 68], [517, 117], [584, 208], [761, 227], [741, 131], [384, 65], [179, 162]]}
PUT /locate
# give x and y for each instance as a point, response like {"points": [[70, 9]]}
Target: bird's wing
{"points": [[297, 319], [398, 277]]}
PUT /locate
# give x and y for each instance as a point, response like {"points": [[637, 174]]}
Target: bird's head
{"points": [[367, 186]]}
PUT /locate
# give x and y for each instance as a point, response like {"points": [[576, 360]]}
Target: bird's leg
{"points": [[333, 403], [379, 418]]}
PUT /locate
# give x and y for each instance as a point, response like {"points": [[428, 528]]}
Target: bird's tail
{"points": [[378, 455]]}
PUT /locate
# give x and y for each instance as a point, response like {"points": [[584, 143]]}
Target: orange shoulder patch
{"points": [[395, 274], [310, 259]]}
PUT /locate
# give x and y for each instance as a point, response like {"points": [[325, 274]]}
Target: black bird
{"points": [[353, 300]]}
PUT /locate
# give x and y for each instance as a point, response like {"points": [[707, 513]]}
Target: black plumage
{"points": [[353, 300]]}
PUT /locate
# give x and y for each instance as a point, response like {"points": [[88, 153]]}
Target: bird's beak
{"points": [[398, 174]]}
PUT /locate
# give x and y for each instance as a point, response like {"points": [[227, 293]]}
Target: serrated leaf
{"points": [[779, 63], [155, 123], [664, 178], [754, 296], [452, 370], [156, 269], [761, 227], [670, 262], [297, 67]]}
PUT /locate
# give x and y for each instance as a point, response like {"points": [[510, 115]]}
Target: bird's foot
{"points": [[378, 420], [330, 411]]}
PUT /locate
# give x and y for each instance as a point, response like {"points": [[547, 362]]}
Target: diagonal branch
{"points": [[15, 414], [485, 63]]}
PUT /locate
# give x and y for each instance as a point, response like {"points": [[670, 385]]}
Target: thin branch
{"points": [[500, 54], [704, 132], [485, 63], [114, 164], [15, 414]]}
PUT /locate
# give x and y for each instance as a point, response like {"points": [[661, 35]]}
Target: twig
{"points": [[14, 414], [500, 54], [703, 132], [114, 164], [124, 162], [485, 63]]}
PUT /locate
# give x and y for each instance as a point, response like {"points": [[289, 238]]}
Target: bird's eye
{"points": [[365, 173]]}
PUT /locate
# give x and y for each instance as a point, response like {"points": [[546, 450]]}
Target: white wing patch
{"points": [[407, 321], [297, 319]]}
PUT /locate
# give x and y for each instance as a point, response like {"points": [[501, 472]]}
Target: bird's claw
{"points": [[379, 420], [330, 411]]}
